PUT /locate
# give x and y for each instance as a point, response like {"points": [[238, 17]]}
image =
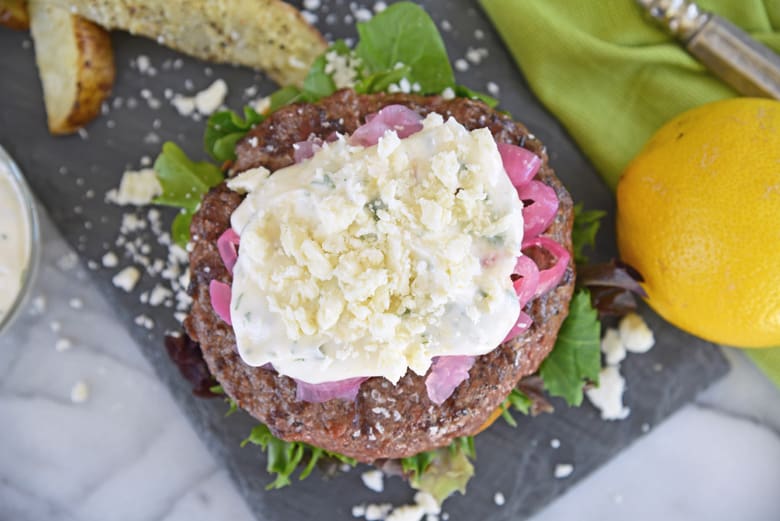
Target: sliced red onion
{"points": [[520, 164], [305, 149], [220, 294], [550, 277], [538, 215], [318, 393], [447, 373], [526, 285], [227, 244], [522, 324], [403, 120]]}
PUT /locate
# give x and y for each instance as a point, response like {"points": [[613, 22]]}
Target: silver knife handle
{"points": [[749, 67], [683, 18]]}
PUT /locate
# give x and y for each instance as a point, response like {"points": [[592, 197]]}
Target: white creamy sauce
{"points": [[367, 261], [14, 241]]}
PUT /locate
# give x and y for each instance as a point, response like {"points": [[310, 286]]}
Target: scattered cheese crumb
{"points": [[461, 65], [110, 260], [563, 470], [248, 180], [62, 344], [448, 93], [635, 334], [55, 326], [608, 396], [210, 99], [159, 295], [127, 278], [38, 305], [79, 393], [373, 480], [144, 321], [499, 499], [612, 347], [204, 102], [493, 89], [76, 303], [136, 188], [555, 443]]}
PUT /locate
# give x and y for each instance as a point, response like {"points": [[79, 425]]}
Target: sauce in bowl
{"points": [[18, 239]]}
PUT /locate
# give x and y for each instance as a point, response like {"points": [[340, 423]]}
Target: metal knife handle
{"points": [[729, 52], [736, 58]]}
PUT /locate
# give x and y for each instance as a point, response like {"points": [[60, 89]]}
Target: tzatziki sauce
{"points": [[15, 241]]}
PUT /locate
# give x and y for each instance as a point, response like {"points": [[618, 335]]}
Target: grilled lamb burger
{"points": [[380, 270]]}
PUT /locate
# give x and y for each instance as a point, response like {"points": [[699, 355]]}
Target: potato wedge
{"points": [[75, 63], [269, 35], [13, 14]]}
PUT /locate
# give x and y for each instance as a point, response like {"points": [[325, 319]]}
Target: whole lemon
{"points": [[699, 217]]}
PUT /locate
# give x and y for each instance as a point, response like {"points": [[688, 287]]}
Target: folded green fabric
{"points": [[613, 78]]}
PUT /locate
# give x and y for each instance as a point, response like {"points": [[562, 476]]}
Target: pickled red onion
{"points": [[526, 285], [520, 164], [550, 277], [305, 149], [318, 393], [522, 324], [402, 119], [447, 373], [227, 245], [538, 215], [220, 294]]}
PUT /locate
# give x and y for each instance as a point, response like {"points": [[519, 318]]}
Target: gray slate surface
{"points": [[519, 462]]}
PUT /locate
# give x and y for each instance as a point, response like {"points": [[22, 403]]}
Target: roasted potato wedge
{"points": [[13, 14], [75, 63], [269, 35]]}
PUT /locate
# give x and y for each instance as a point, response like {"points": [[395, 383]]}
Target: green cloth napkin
{"points": [[613, 78]]}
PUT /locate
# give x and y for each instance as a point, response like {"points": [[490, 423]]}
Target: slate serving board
{"points": [[70, 176]]}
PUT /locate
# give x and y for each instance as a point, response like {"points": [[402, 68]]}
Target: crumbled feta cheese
{"points": [[136, 187], [210, 99], [608, 396], [184, 105], [492, 88], [76, 303], [563, 470], [555, 443], [498, 499], [159, 295], [55, 326], [635, 334], [261, 105], [110, 260], [38, 305], [79, 393], [248, 180], [461, 65], [448, 93], [342, 68], [127, 278], [144, 321], [373, 480], [204, 102], [342, 256], [612, 347], [62, 344]]}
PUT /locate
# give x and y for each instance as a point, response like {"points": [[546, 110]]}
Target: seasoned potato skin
{"points": [[13, 14], [268, 35], [95, 77], [75, 63]]}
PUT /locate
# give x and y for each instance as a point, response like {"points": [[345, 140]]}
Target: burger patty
{"points": [[385, 420]]}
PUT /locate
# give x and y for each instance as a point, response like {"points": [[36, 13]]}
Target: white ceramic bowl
{"points": [[11, 176]]}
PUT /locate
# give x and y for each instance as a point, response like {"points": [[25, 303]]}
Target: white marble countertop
{"points": [[128, 453]]}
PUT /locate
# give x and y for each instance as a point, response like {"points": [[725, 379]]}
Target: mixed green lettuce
{"points": [[398, 45]]}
